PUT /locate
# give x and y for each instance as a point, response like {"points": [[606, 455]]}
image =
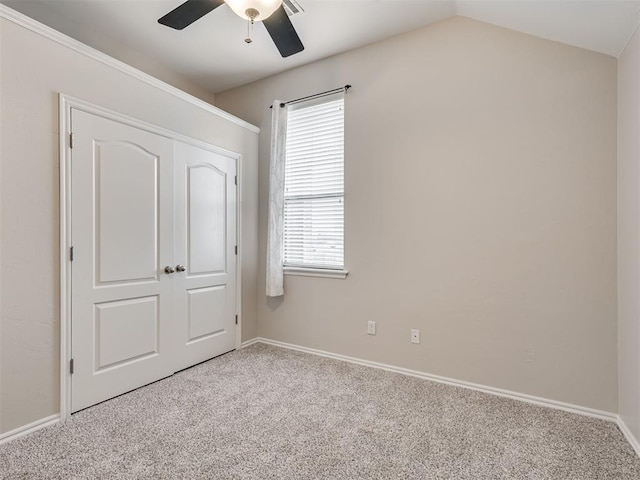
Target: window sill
{"points": [[315, 272]]}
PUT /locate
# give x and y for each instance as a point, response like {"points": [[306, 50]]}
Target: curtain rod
{"points": [[344, 89]]}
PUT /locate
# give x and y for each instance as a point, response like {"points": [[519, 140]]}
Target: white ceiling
{"points": [[212, 54]]}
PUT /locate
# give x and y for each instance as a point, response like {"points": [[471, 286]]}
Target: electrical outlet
{"points": [[371, 327], [529, 355], [415, 336]]}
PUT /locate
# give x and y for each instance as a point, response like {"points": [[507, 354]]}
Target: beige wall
{"points": [[33, 70], [92, 35], [480, 208], [629, 234]]}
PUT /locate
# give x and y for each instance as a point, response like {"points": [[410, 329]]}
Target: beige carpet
{"points": [[269, 413]]}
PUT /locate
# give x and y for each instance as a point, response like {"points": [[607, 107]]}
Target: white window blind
{"points": [[314, 185]]}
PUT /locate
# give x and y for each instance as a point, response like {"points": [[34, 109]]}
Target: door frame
{"points": [[66, 103]]}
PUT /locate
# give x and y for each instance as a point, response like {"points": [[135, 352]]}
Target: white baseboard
{"points": [[635, 444], [544, 402], [250, 342], [523, 397], [31, 427]]}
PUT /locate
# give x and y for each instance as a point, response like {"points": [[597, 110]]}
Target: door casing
{"points": [[66, 103]]}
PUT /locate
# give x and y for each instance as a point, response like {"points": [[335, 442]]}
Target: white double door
{"points": [[153, 229]]}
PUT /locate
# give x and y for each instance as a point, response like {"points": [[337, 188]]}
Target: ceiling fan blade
{"points": [[187, 13], [282, 32]]}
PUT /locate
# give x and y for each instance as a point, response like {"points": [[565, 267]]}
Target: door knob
{"points": [[180, 268], [168, 270]]}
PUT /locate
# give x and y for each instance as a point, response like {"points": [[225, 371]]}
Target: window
{"points": [[314, 185]]}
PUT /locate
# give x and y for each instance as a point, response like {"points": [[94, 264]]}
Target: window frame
{"points": [[310, 270]]}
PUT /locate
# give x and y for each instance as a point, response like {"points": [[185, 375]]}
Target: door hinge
{"points": [[71, 140], [71, 254], [71, 366], [236, 180], [236, 249], [236, 319]]}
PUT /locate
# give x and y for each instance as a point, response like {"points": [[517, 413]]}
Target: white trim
{"points": [[315, 272], [66, 103], [29, 428], [239, 209], [253, 341], [66, 41], [53, 419], [64, 119], [523, 397], [626, 44], [93, 109], [635, 444]]}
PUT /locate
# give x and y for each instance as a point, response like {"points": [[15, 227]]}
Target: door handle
{"points": [[168, 270], [180, 268]]}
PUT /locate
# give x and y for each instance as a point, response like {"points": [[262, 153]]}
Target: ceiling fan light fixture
{"points": [[246, 9]]}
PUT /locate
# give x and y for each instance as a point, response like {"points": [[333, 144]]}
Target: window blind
{"points": [[314, 185]]}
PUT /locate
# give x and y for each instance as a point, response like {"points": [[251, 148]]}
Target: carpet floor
{"points": [[270, 413]]}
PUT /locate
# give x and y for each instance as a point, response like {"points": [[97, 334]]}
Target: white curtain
{"points": [[275, 234]]}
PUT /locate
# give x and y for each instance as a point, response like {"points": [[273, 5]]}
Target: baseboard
{"points": [[31, 427], [523, 397], [544, 402], [250, 342], [635, 444]]}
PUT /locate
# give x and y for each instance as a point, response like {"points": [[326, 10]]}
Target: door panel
{"points": [[125, 330], [206, 226], [122, 228], [206, 313], [205, 215], [126, 216]]}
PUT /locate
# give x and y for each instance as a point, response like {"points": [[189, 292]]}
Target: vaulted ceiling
{"points": [[211, 52]]}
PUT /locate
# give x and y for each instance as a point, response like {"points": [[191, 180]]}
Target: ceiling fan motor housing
{"points": [[254, 9]]}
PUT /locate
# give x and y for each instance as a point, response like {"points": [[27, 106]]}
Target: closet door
{"points": [[122, 236], [205, 243]]}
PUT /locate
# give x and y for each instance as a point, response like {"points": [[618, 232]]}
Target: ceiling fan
{"points": [[270, 12]]}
